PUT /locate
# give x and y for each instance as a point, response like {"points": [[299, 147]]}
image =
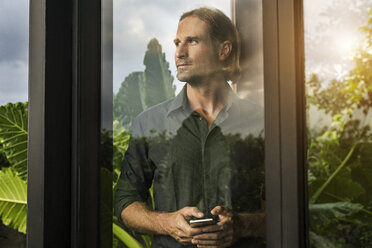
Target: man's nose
{"points": [[181, 51]]}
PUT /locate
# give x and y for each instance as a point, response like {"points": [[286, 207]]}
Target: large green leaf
{"points": [[125, 237], [13, 135], [13, 200], [337, 224], [130, 100], [106, 207], [326, 213], [318, 241]]}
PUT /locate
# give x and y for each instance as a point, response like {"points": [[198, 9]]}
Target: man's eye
{"points": [[177, 43], [193, 42]]}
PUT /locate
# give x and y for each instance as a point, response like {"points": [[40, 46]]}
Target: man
{"points": [[201, 150]]}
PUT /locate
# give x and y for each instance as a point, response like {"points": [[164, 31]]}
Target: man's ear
{"points": [[224, 50]]}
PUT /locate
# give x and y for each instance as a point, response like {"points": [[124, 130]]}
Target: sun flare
{"points": [[346, 45]]}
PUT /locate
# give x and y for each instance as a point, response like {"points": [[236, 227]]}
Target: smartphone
{"points": [[202, 222]]}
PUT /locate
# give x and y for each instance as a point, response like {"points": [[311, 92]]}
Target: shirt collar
{"points": [[181, 101]]}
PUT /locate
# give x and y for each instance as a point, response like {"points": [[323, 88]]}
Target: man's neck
{"points": [[208, 99]]}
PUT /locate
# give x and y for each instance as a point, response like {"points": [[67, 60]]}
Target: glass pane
{"points": [[14, 25], [187, 131], [106, 125], [338, 49]]}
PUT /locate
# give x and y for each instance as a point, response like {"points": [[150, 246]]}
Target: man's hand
{"points": [[223, 234], [139, 218], [231, 227], [176, 224]]}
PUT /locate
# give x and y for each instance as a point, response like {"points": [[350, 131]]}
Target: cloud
{"points": [[331, 35], [13, 30], [14, 19], [13, 82]]}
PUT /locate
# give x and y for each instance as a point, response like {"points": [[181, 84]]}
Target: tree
{"points": [[339, 155], [141, 90]]}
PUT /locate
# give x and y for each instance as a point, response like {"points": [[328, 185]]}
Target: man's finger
{"points": [[187, 230], [220, 210], [185, 241], [193, 212], [215, 237], [211, 228], [223, 244], [217, 210]]}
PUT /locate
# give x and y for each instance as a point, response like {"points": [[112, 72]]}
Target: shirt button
{"points": [[200, 118]]}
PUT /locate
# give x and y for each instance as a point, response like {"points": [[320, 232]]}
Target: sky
{"points": [[14, 18], [328, 37], [332, 35]]}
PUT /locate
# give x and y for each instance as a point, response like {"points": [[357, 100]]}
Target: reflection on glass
{"points": [[339, 96], [193, 149]]}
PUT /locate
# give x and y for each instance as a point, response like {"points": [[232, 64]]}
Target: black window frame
{"points": [[285, 124], [69, 105]]}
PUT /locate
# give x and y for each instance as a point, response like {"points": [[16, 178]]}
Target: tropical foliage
{"points": [[141, 90], [340, 157], [13, 136], [13, 164], [13, 200]]}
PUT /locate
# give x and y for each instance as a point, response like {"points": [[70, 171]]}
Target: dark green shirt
{"points": [[193, 165]]}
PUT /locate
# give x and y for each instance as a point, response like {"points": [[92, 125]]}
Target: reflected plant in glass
{"points": [[139, 91]]}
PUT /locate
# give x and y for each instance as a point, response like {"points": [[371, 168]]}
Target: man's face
{"points": [[196, 58]]}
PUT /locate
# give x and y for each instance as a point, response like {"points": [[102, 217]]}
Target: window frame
{"points": [[285, 124], [68, 93], [70, 104]]}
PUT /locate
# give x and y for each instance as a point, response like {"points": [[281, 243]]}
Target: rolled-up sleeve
{"points": [[136, 172]]}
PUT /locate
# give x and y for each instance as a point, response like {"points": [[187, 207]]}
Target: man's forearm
{"points": [[138, 217], [251, 224]]}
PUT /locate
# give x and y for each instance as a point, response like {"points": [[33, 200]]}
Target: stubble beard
{"points": [[195, 79]]}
